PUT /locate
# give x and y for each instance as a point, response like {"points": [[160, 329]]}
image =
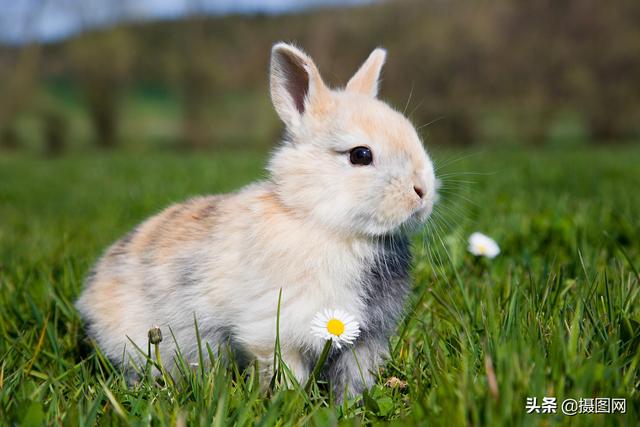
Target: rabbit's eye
{"points": [[361, 156]]}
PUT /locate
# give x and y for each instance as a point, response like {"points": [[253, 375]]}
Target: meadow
{"points": [[556, 314]]}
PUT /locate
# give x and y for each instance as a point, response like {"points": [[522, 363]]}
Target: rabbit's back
{"points": [[131, 286]]}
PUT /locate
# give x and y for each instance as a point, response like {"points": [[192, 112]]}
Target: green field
{"points": [[557, 314]]}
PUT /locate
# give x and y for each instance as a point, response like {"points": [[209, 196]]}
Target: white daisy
{"points": [[481, 245], [337, 325]]}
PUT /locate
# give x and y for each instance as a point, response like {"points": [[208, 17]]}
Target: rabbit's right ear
{"points": [[296, 85]]}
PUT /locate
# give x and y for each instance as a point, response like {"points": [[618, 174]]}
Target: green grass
{"points": [[556, 314]]}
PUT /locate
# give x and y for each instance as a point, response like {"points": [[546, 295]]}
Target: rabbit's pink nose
{"points": [[418, 191]]}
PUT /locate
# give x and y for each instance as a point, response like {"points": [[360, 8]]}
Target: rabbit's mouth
{"points": [[422, 213], [414, 217]]}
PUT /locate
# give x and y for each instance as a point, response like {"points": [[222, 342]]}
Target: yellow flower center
{"points": [[335, 327], [482, 248]]}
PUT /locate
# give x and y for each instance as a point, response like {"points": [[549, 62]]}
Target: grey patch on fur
{"points": [[120, 247], [210, 208], [349, 375], [91, 275], [128, 237], [216, 336], [186, 270], [384, 288], [148, 256], [151, 296], [219, 338]]}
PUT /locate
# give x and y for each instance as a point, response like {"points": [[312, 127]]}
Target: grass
{"points": [[556, 314]]}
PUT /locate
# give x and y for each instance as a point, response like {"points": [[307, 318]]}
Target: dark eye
{"points": [[361, 156]]}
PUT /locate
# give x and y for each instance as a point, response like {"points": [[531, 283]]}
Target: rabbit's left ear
{"points": [[365, 80], [296, 85]]}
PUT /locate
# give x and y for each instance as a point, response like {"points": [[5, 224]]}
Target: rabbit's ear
{"points": [[365, 80], [296, 85]]}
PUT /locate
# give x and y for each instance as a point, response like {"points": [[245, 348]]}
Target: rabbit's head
{"points": [[349, 161]]}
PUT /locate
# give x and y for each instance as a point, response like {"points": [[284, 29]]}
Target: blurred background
{"points": [[138, 75]]}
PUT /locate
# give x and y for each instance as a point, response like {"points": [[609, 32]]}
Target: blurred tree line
{"points": [[464, 70]]}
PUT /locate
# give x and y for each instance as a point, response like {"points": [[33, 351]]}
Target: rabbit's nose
{"points": [[418, 191]]}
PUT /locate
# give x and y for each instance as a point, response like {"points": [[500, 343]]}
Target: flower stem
{"points": [[319, 364], [163, 371], [158, 358]]}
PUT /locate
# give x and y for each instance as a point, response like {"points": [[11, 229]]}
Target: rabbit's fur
{"points": [[328, 233]]}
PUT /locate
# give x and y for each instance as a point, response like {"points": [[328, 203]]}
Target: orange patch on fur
{"points": [[103, 297], [162, 234]]}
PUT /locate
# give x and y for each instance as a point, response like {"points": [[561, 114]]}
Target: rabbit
{"points": [[327, 228]]}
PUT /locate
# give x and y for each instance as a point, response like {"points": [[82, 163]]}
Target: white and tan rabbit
{"points": [[327, 227]]}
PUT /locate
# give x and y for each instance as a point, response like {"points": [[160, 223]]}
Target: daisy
{"points": [[481, 245], [336, 325]]}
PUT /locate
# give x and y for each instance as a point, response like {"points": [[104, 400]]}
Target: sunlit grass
{"points": [[555, 314]]}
